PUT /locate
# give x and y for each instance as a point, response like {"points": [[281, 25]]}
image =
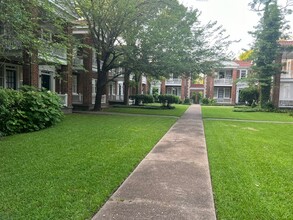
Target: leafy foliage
{"points": [[157, 38], [33, 25], [167, 100], [28, 110], [145, 99], [249, 95], [266, 48], [247, 55], [208, 101]]}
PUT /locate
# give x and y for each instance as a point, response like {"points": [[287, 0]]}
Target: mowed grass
{"points": [[227, 112], [177, 111], [251, 167], [70, 170]]}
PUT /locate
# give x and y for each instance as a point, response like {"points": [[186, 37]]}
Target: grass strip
{"points": [[70, 170], [228, 113], [251, 168]]}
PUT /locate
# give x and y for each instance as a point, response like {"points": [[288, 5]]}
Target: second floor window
{"points": [[74, 84], [225, 74], [243, 74]]}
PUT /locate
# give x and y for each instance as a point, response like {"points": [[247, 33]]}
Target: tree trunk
{"points": [[137, 87], [126, 87], [101, 83], [265, 92]]}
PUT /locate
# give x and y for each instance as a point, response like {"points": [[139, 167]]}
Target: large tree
{"points": [[107, 20], [173, 41], [147, 36], [26, 24], [266, 49]]}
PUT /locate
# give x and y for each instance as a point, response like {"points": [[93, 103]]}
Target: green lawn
{"points": [[251, 166], [69, 171], [227, 112], [177, 111]]}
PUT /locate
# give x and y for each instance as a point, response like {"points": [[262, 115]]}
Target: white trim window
{"points": [[10, 76], [243, 74], [74, 84], [120, 88], [94, 86], [47, 77], [222, 93], [224, 74]]}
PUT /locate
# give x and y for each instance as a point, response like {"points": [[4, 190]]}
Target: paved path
{"points": [[172, 182]]}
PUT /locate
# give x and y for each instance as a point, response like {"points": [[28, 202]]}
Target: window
{"points": [[74, 84], [10, 79], [288, 65], [243, 74], [221, 75], [111, 92], [228, 74], [120, 89], [94, 86], [227, 92], [221, 93]]}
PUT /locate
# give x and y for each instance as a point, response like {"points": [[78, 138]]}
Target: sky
{"points": [[234, 15]]}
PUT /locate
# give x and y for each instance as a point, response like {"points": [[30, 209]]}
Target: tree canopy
{"points": [[266, 48], [28, 24], [157, 38]]}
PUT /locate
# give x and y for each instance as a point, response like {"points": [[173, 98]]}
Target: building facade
{"points": [[225, 84]]}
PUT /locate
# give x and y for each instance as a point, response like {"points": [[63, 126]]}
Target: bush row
{"points": [[144, 99], [28, 109], [167, 100]]}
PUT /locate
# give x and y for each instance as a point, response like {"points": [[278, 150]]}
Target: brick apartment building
{"points": [[225, 84], [74, 77]]}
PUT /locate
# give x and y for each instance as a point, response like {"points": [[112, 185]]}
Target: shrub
{"points": [[28, 109], [208, 101], [269, 106], [167, 100], [187, 101], [144, 99], [249, 95], [205, 101], [197, 97]]}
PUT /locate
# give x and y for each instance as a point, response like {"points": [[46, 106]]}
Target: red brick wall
{"points": [[209, 87], [31, 69], [86, 77]]}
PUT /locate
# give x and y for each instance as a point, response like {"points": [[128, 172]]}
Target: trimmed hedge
{"points": [[142, 99], [29, 109], [167, 100]]}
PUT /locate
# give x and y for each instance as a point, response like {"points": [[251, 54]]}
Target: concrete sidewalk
{"points": [[172, 182]]}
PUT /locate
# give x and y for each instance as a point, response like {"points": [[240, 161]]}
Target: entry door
{"points": [[46, 81]]}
